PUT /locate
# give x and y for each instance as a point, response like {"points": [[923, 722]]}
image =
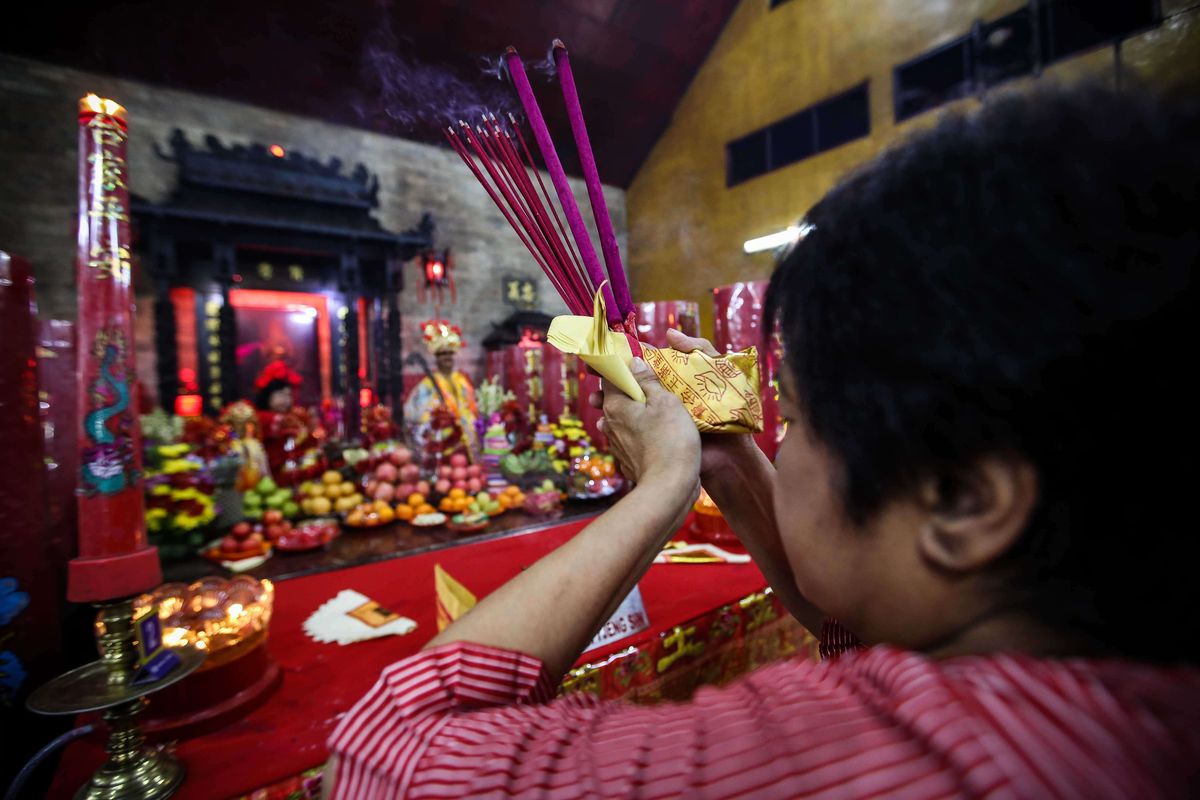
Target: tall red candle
{"points": [[114, 559], [738, 324]]}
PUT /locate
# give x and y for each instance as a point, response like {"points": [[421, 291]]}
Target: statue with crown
{"points": [[444, 400]]}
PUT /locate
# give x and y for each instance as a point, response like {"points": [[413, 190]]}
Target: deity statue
{"points": [[444, 400]]}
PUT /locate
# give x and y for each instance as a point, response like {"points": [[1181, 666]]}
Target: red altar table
{"points": [[708, 622]]}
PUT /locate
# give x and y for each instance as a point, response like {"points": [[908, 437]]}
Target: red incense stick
{"points": [[558, 177], [608, 237]]}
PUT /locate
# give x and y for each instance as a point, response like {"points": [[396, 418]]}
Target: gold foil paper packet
{"points": [[721, 394], [373, 614]]}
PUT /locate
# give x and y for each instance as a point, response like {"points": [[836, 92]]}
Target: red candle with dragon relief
{"points": [[114, 559]]}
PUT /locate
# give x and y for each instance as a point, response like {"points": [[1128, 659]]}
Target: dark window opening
{"points": [[792, 139], [1071, 26], [1005, 49], [843, 119], [773, 3], [821, 127], [933, 79], [747, 157]]}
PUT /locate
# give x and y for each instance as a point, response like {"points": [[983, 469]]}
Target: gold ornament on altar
{"points": [[720, 393]]}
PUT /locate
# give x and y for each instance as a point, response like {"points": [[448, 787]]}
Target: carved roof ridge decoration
{"points": [[268, 197], [254, 168]]}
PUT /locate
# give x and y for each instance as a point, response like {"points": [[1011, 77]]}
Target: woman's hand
{"points": [[655, 442], [719, 451]]}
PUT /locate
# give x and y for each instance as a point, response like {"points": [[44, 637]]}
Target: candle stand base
{"points": [[133, 771]]}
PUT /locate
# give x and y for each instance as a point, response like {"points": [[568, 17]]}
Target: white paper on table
{"points": [[629, 618], [332, 622]]}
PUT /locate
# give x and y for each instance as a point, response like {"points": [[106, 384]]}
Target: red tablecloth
{"points": [[287, 734]]}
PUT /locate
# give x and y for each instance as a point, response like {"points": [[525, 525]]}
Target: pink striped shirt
{"points": [[464, 720]]}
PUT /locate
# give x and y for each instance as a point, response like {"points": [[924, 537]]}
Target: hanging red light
{"points": [[438, 269]]}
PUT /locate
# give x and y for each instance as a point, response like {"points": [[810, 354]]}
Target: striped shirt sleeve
{"points": [[384, 736]]}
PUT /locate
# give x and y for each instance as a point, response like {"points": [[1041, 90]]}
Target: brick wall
{"points": [[38, 170]]}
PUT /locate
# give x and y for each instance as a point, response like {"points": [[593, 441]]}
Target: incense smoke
{"points": [[408, 94]]}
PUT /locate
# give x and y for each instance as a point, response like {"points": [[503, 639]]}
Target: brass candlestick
{"points": [[133, 771]]}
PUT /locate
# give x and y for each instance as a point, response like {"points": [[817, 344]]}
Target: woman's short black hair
{"points": [[1018, 279]]}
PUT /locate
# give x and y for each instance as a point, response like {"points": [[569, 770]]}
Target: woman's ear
{"points": [[977, 514]]}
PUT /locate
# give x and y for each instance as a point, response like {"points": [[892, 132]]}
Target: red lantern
{"points": [[188, 405], [438, 274]]}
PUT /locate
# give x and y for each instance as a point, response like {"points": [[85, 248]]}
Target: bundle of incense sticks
{"points": [[501, 160]]}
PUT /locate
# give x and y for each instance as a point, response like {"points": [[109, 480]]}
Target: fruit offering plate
{"points": [[428, 520], [215, 554], [311, 535], [467, 527], [594, 489]]}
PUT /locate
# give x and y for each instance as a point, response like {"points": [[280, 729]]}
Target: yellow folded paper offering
{"points": [[720, 393], [453, 599]]}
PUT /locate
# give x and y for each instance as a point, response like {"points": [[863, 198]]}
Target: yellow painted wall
{"points": [[686, 228]]}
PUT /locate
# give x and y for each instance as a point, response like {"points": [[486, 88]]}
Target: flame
{"points": [[101, 105]]}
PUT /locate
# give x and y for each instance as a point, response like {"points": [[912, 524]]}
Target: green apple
{"points": [[290, 509], [266, 486], [253, 513], [252, 500]]}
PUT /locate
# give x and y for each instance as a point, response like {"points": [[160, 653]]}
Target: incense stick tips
{"points": [[557, 44]]}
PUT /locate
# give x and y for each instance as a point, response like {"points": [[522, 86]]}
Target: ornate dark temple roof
{"points": [[248, 186]]}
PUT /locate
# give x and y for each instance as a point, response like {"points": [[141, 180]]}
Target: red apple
{"points": [[442, 486], [274, 531], [410, 473], [422, 487], [371, 485], [385, 492], [230, 545], [272, 515], [403, 490], [445, 471], [401, 456], [252, 542], [386, 472], [459, 474], [241, 530], [474, 486], [474, 471], [458, 460]]}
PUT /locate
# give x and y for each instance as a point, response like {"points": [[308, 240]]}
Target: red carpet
{"points": [[287, 734]]}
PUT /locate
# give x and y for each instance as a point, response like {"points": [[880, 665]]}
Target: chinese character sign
{"points": [[520, 293]]}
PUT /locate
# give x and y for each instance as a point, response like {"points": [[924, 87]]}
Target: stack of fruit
{"points": [[331, 494], [510, 497], [544, 499], [390, 482], [593, 475], [243, 541], [370, 514], [265, 496], [459, 474], [308, 535]]}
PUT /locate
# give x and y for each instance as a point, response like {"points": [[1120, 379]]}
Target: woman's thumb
{"points": [[645, 376]]}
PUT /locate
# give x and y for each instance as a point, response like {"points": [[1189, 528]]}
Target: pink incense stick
{"points": [[608, 238], [558, 177], [572, 298], [564, 254], [542, 185]]}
